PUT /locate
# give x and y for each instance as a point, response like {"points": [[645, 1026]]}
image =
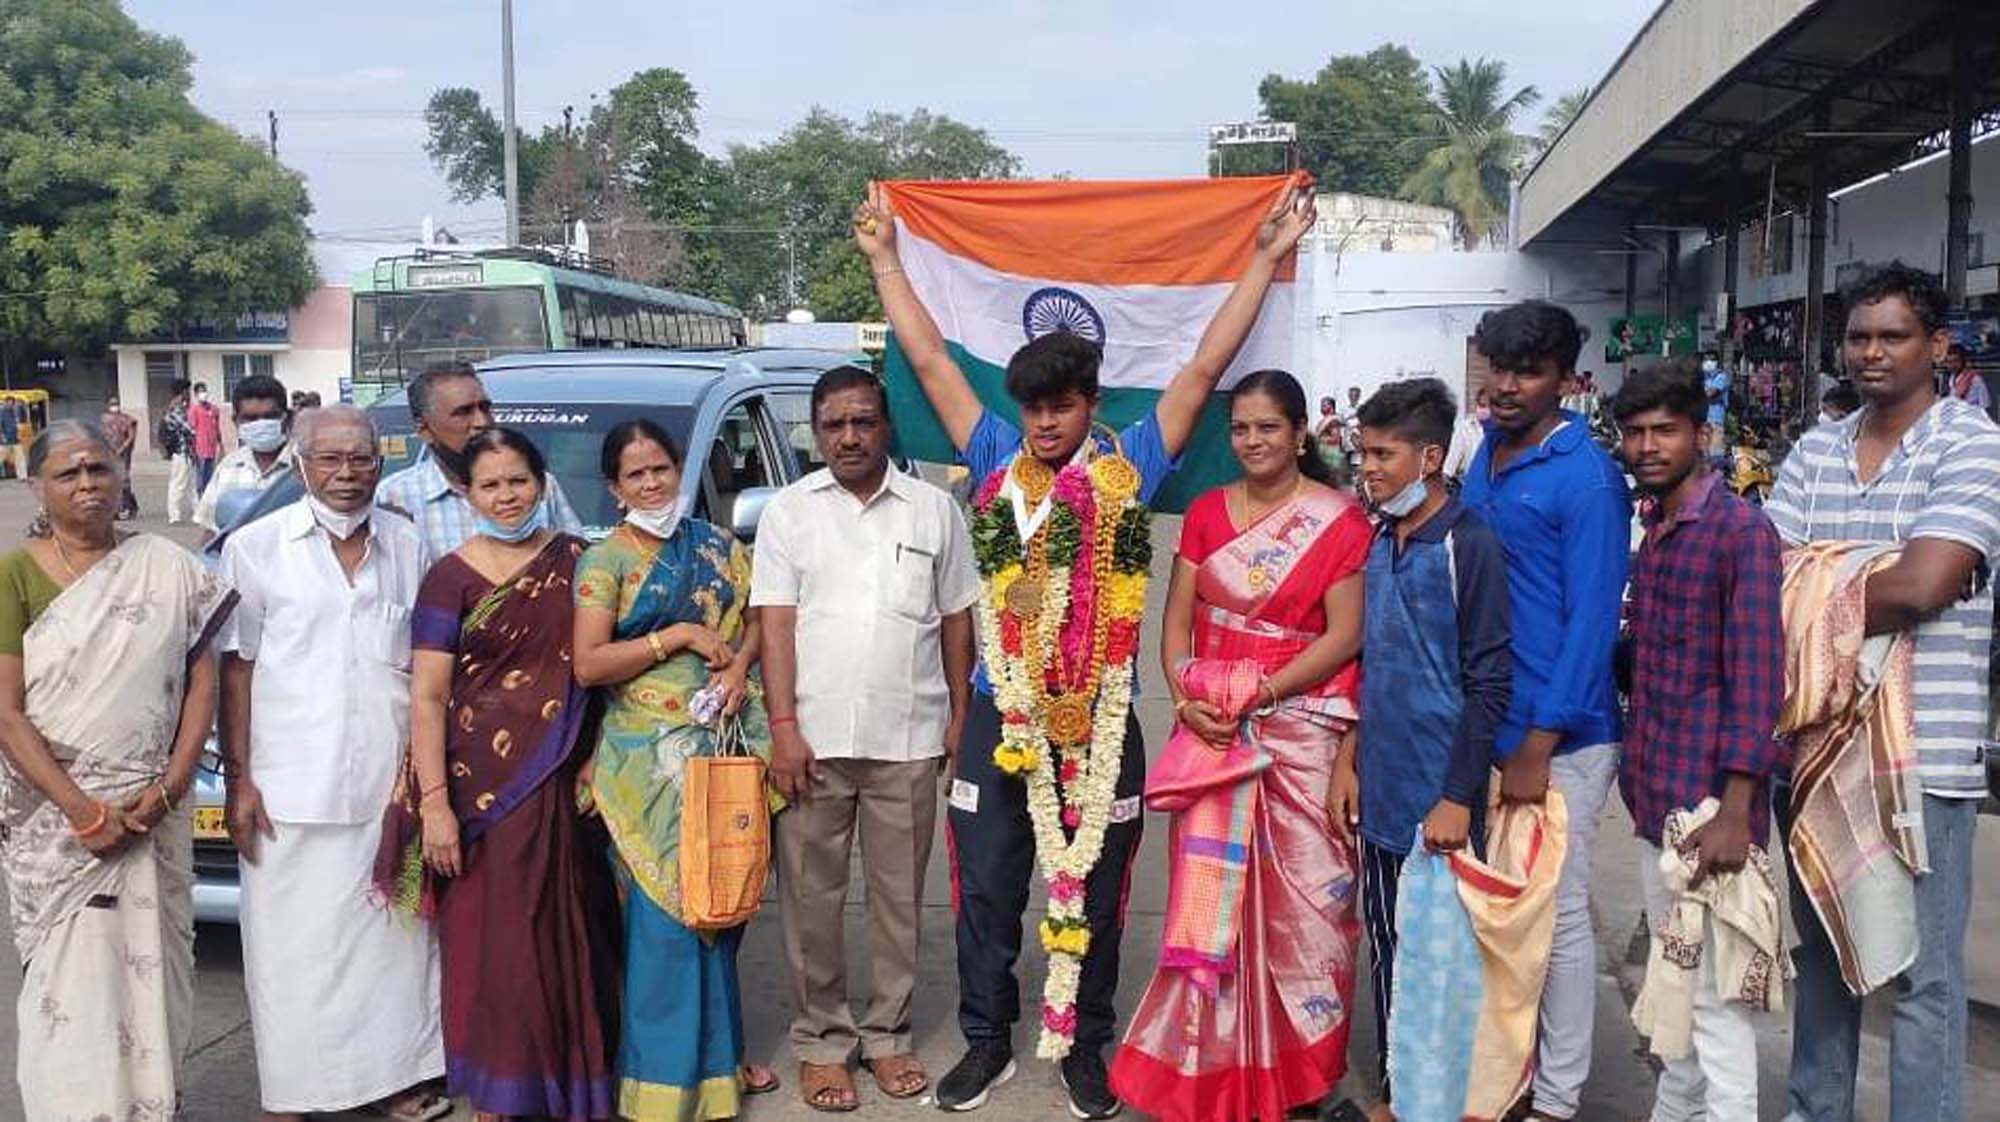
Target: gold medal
{"points": [[1033, 477], [1067, 719], [1116, 476], [1024, 597]]}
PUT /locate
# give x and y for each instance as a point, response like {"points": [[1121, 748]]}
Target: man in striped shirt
{"points": [[1923, 471]]}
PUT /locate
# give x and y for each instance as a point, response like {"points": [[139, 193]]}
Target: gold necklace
{"points": [[63, 556], [1248, 520]]}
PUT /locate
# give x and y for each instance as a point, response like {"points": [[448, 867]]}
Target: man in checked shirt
{"points": [[1707, 656]]}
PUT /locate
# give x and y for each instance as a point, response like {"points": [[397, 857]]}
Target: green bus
{"points": [[413, 311]]}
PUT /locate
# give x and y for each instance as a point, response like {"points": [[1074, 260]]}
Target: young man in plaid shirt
{"points": [[1707, 657]]}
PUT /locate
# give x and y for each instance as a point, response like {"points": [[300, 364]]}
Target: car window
{"points": [[793, 412], [737, 460]]}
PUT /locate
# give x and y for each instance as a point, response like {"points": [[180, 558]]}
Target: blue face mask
{"points": [[536, 521]]}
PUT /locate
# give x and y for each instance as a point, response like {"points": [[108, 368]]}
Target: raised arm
{"points": [[1180, 406], [916, 332]]}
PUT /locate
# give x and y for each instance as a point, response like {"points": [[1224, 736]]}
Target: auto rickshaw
{"points": [[29, 411]]}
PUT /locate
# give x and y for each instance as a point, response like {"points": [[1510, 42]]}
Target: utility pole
{"points": [[273, 115], [511, 155]]}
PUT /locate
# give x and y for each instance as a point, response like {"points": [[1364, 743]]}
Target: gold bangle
{"points": [[658, 648], [160, 785], [888, 272]]}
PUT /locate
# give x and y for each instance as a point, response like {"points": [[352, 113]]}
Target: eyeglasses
{"points": [[357, 462]]}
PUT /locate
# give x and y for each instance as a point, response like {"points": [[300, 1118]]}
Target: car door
{"points": [[791, 412], [744, 455]]}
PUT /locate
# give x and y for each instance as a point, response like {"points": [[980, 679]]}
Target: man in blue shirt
{"points": [[1053, 379], [1563, 514], [1438, 673]]}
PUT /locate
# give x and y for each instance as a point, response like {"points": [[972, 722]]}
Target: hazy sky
{"points": [[1097, 88]]}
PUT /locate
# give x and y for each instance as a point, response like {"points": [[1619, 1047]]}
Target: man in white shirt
{"points": [[316, 696], [864, 581], [260, 411]]}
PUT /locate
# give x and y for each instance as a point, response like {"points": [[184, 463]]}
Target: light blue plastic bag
{"points": [[1434, 1003]]}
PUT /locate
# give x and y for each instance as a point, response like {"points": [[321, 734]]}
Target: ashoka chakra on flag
{"points": [[1049, 310]]}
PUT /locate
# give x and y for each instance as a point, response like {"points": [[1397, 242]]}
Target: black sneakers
{"points": [[1089, 1085], [985, 1065]]}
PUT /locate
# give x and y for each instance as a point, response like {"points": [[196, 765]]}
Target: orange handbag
{"points": [[725, 834]]}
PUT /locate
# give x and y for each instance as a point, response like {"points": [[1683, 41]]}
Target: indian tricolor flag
{"points": [[1139, 267]]}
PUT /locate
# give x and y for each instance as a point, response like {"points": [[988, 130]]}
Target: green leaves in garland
{"points": [[1132, 547], [1065, 537], [996, 543]]}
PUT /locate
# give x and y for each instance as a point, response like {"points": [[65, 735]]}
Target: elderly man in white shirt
{"points": [[316, 695], [864, 580]]}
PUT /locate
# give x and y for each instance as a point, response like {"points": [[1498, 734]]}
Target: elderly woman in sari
{"points": [[107, 688], [483, 833], [1247, 1016], [661, 621]]}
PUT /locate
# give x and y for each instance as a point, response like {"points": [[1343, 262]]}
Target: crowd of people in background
{"points": [[1410, 653]]}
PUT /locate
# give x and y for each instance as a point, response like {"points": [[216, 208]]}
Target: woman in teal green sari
{"points": [[661, 615]]}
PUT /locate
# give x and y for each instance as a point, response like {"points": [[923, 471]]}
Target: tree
{"points": [[842, 286], [796, 194], [1560, 113], [630, 171], [1352, 116], [1476, 151], [760, 228], [124, 210]]}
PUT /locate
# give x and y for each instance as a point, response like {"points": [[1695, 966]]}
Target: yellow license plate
{"points": [[208, 823]]}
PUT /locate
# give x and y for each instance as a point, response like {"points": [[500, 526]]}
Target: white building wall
{"points": [[1380, 317]]}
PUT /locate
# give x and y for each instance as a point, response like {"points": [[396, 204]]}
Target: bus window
{"points": [[632, 326], [397, 335], [566, 296]]}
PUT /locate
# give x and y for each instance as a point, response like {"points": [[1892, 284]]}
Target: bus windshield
{"points": [[397, 335]]}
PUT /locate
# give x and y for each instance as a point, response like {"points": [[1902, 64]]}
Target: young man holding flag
{"points": [[1069, 482]]}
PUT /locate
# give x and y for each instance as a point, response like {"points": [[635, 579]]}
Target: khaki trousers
{"points": [[896, 806]]}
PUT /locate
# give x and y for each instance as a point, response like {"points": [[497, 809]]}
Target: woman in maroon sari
{"points": [[1247, 1016], [484, 832]]}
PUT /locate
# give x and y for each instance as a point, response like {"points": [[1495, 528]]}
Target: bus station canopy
{"points": [[1718, 107]]}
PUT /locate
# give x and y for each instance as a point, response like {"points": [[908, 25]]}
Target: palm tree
{"points": [[1471, 149], [1560, 114]]}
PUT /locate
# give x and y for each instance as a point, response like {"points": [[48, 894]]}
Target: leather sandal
{"points": [[900, 1076], [828, 1088]]}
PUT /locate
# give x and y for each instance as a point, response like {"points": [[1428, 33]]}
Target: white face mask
{"points": [[266, 435], [1400, 504], [341, 526], [660, 522]]}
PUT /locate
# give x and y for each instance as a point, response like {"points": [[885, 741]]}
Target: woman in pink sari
{"points": [[1247, 1016]]}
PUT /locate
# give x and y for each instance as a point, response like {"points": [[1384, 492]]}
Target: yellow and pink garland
{"points": [[1059, 625]]}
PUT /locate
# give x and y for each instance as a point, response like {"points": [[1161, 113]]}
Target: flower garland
{"points": [[1059, 622]]}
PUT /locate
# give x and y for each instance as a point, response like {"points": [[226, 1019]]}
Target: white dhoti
{"points": [[343, 992]]}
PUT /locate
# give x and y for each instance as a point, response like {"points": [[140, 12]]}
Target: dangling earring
{"points": [[39, 526]]}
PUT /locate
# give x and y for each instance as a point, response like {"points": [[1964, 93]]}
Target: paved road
{"points": [[221, 1076]]}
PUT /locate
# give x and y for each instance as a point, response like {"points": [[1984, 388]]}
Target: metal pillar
{"points": [[1631, 289], [1670, 290], [1815, 326], [1732, 256], [1958, 212], [509, 146]]}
